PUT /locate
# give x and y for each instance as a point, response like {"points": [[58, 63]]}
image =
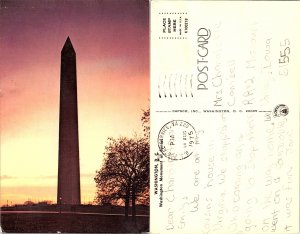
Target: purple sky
{"points": [[111, 39]]}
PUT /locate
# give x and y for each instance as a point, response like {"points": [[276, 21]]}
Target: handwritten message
{"points": [[234, 81]]}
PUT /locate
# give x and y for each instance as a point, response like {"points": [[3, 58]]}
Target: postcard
{"points": [[224, 117]]}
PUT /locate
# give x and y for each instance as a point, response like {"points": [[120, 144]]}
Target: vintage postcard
{"points": [[74, 116], [224, 117]]}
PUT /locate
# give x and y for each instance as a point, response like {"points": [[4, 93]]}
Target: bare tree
{"points": [[141, 178], [124, 175], [146, 123]]}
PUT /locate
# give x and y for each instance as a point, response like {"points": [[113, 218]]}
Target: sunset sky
{"points": [[111, 40]]}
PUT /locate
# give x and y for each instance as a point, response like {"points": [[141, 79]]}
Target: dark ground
{"points": [[74, 219], [75, 223], [108, 209]]}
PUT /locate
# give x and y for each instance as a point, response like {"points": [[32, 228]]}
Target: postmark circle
{"points": [[177, 139]]}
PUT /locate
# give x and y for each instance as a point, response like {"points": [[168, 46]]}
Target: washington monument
{"points": [[68, 189]]}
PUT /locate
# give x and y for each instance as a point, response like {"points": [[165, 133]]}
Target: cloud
{"points": [[6, 177], [55, 176], [47, 177], [88, 175]]}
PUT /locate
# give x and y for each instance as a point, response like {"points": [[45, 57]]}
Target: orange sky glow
{"points": [[111, 40]]}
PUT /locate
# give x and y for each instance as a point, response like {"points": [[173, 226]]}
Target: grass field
{"points": [[75, 223]]}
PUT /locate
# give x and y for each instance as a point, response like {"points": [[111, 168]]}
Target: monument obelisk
{"points": [[68, 189]]}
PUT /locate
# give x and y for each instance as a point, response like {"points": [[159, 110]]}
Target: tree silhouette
{"points": [[146, 123], [124, 176]]}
